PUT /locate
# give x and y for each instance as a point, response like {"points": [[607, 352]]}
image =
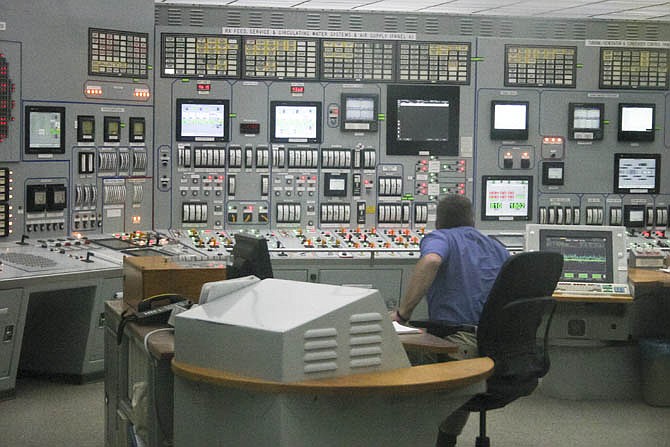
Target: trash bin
{"points": [[655, 371]]}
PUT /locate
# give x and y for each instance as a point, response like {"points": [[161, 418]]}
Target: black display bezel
{"points": [[134, 137], [45, 150], [546, 166], [81, 136], [397, 92], [273, 121], [509, 134], [108, 137], [597, 134], [328, 191], [529, 207], [618, 189], [226, 119], [636, 135]]}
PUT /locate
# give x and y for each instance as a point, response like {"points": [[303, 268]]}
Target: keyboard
{"points": [[589, 288]]}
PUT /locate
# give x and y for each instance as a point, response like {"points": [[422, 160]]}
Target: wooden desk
{"points": [[425, 343], [648, 278], [588, 298], [433, 377], [359, 410]]}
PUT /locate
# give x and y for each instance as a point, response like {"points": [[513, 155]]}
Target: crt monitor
{"points": [[507, 197], [295, 122], [509, 120], [637, 173], [636, 122], [203, 119], [586, 121], [422, 118], [45, 130], [359, 112], [250, 257], [590, 254]]}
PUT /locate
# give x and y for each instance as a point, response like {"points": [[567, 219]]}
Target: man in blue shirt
{"points": [[456, 271]]}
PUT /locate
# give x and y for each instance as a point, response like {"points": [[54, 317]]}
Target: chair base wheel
{"points": [[483, 442]]}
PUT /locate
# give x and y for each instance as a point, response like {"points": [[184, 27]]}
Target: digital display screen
{"points": [[335, 185], [587, 255], [359, 109], [422, 118], [298, 122], [202, 120], [85, 128], [44, 129], [586, 121], [586, 118], [636, 122], [506, 197], [509, 120], [137, 129], [113, 128], [637, 173], [40, 198]]}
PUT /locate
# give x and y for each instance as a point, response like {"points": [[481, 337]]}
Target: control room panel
{"points": [[204, 130]]}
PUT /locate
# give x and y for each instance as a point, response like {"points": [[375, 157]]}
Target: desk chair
{"points": [[507, 331]]}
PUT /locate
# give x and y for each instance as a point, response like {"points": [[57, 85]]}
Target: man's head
{"points": [[454, 211]]}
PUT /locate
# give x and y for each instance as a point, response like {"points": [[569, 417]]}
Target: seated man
{"points": [[456, 271]]}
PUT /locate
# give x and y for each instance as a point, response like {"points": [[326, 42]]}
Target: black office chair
{"points": [[507, 331]]}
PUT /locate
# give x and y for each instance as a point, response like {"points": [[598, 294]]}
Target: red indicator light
{"points": [[297, 89], [204, 87]]}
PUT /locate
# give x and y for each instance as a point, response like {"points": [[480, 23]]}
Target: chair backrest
{"points": [[507, 330]]}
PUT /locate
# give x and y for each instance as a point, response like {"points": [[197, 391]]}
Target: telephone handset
{"points": [[155, 309]]}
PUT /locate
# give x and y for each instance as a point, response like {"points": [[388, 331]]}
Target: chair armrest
{"points": [[442, 328]]}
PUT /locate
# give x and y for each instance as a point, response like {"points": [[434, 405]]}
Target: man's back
{"points": [[470, 264]]}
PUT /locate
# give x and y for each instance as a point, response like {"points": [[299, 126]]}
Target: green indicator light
{"points": [[185, 80], [150, 67], [477, 59], [606, 122], [232, 115], [580, 65], [381, 117], [123, 125]]}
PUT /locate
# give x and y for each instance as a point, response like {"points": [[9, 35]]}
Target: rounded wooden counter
{"points": [[433, 377]]}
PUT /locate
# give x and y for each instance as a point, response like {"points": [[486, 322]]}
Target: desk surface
{"points": [[161, 344], [648, 278], [423, 378], [592, 298]]}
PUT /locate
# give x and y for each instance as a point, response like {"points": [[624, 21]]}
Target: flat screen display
{"points": [[360, 112], [203, 120], [422, 119], [44, 131], [586, 121], [509, 120], [587, 255], [507, 197], [636, 122], [637, 173], [295, 122]]}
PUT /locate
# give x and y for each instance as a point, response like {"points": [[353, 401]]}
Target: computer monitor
{"points": [[295, 122], [359, 112], [586, 121], [250, 257], [202, 119], [636, 122], [421, 118], [45, 130], [590, 254], [509, 120], [637, 173], [507, 197]]}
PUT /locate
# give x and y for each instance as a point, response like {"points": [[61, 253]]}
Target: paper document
{"points": [[401, 329]]}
